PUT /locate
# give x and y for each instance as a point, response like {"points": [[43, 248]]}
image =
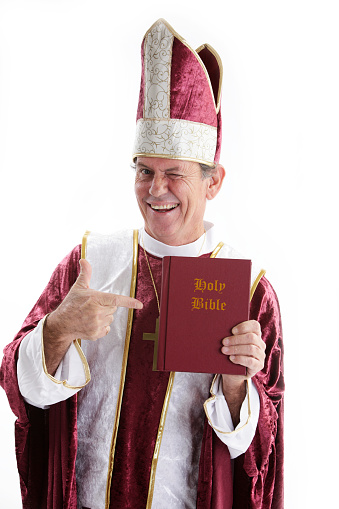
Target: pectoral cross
{"points": [[153, 337]]}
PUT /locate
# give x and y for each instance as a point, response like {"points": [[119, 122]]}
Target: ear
{"points": [[215, 182]]}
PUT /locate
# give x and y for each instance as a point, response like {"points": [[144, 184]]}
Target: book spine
{"points": [[166, 264]]}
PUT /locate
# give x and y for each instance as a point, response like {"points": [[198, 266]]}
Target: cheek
{"points": [[181, 190], [190, 197], [140, 190]]}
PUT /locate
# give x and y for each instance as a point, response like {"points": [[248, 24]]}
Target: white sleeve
{"points": [[37, 387], [239, 439]]}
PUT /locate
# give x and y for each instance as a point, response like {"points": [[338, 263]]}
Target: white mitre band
{"points": [[177, 139]]}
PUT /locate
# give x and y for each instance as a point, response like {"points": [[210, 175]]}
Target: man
{"points": [[133, 437]]}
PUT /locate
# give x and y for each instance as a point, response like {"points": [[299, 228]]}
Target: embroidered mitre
{"points": [[178, 113]]}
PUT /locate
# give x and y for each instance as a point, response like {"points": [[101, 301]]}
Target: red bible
{"points": [[202, 299]]}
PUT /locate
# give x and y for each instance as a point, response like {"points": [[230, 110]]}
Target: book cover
{"points": [[202, 299]]}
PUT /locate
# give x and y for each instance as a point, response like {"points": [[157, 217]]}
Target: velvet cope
{"points": [[46, 439]]}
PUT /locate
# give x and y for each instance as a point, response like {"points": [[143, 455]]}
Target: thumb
{"points": [[84, 277]]}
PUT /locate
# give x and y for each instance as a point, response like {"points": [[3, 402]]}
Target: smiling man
{"points": [[172, 197], [97, 428]]}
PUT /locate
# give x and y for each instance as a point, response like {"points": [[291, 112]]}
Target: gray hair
{"points": [[207, 171]]}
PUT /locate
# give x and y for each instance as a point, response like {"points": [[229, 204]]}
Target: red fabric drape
{"points": [[258, 474], [46, 440]]}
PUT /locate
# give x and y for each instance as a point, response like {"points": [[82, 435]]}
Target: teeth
{"points": [[164, 207]]}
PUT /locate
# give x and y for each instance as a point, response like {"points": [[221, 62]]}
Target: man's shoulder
{"points": [[111, 257], [101, 240], [265, 295], [228, 251], [103, 246]]}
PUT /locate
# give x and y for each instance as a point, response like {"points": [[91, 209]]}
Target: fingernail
{"points": [[235, 330], [226, 349], [226, 341]]}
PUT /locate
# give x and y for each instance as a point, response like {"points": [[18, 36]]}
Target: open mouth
{"points": [[163, 208]]}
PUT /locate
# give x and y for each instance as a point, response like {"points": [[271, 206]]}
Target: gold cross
{"points": [[153, 337]]}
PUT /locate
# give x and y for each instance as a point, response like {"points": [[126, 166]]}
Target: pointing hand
{"points": [[84, 314], [87, 313]]}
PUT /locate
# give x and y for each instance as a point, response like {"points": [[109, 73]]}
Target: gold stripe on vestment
{"points": [[83, 257], [84, 244], [215, 252], [123, 370], [256, 282], [158, 440]]}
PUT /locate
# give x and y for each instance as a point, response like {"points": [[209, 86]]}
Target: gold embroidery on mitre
{"points": [[158, 59], [173, 137], [183, 41]]}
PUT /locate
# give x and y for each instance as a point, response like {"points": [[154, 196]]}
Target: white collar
{"points": [[199, 246]]}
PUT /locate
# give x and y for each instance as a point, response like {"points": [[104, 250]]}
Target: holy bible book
{"points": [[202, 299]]}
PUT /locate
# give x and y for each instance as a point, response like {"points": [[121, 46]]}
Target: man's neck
{"points": [[204, 244]]}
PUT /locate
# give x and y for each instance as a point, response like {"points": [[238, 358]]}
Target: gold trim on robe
{"points": [[256, 282], [215, 252], [158, 440], [82, 357], [83, 256], [84, 244], [123, 370], [212, 398]]}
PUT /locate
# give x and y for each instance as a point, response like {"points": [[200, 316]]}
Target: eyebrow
{"points": [[141, 165]]}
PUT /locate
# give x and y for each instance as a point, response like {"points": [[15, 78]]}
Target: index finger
{"points": [[127, 302], [112, 300]]}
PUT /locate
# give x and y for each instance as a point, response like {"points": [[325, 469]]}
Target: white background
{"points": [[69, 84]]}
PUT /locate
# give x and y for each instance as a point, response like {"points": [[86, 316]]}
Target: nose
{"points": [[158, 186]]}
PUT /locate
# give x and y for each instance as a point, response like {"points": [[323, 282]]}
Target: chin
{"points": [[165, 235], [163, 227]]}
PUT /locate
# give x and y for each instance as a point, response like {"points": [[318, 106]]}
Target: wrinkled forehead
{"points": [[163, 164]]}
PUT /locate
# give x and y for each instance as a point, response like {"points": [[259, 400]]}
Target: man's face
{"points": [[171, 196]]}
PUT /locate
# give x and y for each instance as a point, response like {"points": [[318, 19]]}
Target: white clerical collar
{"points": [[200, 246]]}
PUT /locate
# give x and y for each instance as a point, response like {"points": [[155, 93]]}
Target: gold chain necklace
{"points": [[149, 267], [150, 272], [155, 335]]}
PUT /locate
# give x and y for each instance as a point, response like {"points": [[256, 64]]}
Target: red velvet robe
{"points": [[46, 440]]}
